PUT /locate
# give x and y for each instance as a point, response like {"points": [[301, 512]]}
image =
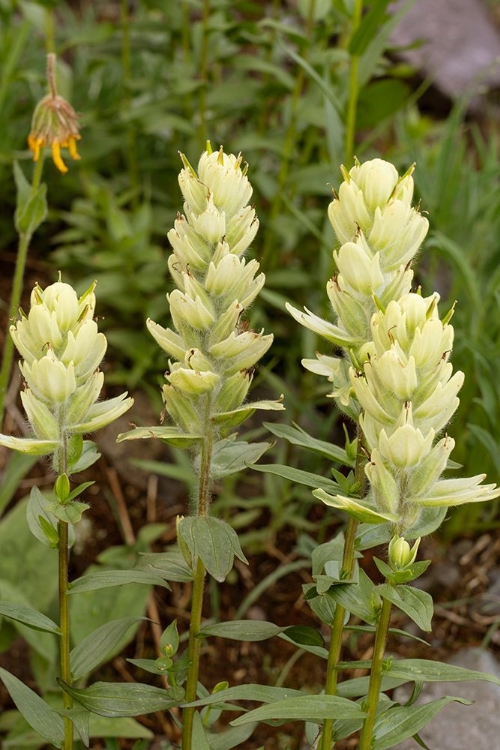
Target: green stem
{"points": [[337, 631], [193, 654], [17, 286], [131, 155], [202, 97], [269, 256], [352, 105], [50, 36], [64, 625], [194, 647], [365, 742], [337, 626]]}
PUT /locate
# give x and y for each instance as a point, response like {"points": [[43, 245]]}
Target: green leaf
{"points": [[37, 713], [28, 616], [242, 630], [314, 708], [260, 693], [89, 455], [117, 699], [14, 471], [401, 722], [199, 738], [31, 208], [303, 635], [96, 647], [170, 565], [231, 737], [80, 718], [418, 670], [71, 513], [213, 541], [41, 521], [26, 566], [107, 578], [369, 27], [168, 434], [354, 508], [297, 436], [298, 476], [413, 602], [230, 456], [101, 726], [357, 598]]}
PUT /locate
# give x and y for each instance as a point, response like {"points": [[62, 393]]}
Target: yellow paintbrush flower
{"points": [[54, 124]]}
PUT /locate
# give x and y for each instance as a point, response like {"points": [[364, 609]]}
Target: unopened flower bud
{"points": [[401, 555]]}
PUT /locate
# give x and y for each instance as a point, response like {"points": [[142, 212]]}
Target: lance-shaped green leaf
{"points": [[116, 699], [298, 436], [29, 445], [31, 207], [172, 435], [199, 737], [106, 578], [94, 649], [401, 722], [260, 693], [213, 541], [80, 717], [230, 456], [354, 508], [299, 477], [234, 417], [413, 602], [315, 708], [422, 670], [37, 713], [28, 616], [256, 630]]}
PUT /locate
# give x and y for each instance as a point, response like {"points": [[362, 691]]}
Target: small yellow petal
{"points": [[34, 145], [72, 147], [56, 156]]}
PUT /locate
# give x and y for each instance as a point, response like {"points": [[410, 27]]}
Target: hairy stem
{"points": [[365, 742], [17, 286]]}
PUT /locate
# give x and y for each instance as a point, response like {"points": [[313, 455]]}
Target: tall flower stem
{"points": [[17, 287], [64, 626], [194, 647], [337, 627], [365, 742]]}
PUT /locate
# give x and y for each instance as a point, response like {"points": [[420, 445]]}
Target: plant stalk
{"points": [[365, 742], [352, 103], [337, 626], [64, 625], [194, 647], [17, 287]]}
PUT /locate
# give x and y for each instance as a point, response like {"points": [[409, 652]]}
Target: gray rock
{"points": [[459, 727], [460, 47]]}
